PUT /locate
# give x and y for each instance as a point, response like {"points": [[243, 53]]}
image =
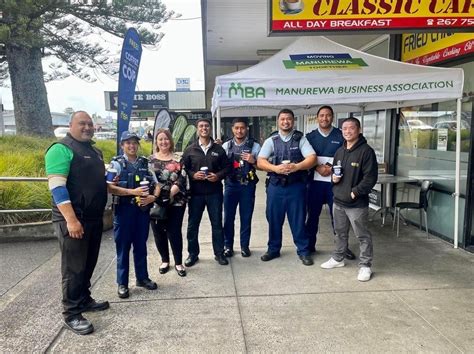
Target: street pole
{"points": [[2, 124]]}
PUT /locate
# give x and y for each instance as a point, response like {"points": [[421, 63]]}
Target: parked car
{"points": [[105, 135], [61, 132], [451, 124], [418, 124]]}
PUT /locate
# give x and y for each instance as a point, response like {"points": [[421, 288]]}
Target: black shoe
{"points": [[221, 260], [122, 292], [306, 260], [269, 256], [147, 284], [228, 252], [79, 325], [245, 251], [164, 270], [181, 272], [349, 255], [93, 306], [190, 261]]}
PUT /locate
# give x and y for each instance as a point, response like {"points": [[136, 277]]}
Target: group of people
{"points": [[156, 190]]}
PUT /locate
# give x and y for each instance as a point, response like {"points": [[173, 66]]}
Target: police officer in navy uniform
{"points": [[240, 186], [131, 213], [287, 156]]}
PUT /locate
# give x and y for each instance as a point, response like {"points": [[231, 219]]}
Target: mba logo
{"points": [[246, 91]]}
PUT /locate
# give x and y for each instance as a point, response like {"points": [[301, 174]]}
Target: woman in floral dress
{"points": [[171, 181]]}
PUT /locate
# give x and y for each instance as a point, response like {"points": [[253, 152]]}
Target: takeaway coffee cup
{"points": [[145, 185], [205, 170], [337, 170], [285, 162], [111, 174], [293, 4]]}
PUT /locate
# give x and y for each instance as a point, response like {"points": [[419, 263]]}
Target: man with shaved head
{"points": [[75, 170]]}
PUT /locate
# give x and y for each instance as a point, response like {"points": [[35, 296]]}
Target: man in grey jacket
{"points": [[354, 175]]}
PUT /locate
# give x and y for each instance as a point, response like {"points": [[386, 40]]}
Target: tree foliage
{"points": [[65, 29]]}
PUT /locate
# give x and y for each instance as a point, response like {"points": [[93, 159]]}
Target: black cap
{"points": [[126, 135]]}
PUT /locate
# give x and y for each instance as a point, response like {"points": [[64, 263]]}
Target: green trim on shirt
{"points": [[58, 160]]}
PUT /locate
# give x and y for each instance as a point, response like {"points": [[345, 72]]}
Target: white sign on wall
{"points": [[442, 139], [183, 84]]}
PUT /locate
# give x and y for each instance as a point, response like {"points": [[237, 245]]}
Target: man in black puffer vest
{"points": [[76, 177]]}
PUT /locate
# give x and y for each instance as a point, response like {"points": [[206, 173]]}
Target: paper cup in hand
{"points": [[337, 171], [145, 185], [205, 170], [111, 174], [285, 162]]}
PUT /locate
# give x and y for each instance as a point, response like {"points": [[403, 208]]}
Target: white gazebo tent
{"points": [[314, 71]]}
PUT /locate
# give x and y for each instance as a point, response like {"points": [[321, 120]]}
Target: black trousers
{"points": [[78, 260], [196, 206], [170, 230]]}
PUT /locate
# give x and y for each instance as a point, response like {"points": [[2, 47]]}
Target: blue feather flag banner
{"points": [[128, 72]]}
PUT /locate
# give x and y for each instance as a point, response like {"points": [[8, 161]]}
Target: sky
{"points": [[179, 54]]}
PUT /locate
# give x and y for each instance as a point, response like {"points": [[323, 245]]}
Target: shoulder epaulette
{"points": [[275, 133], [231, 143], [250, 142], [297, 135], [118, 158]]}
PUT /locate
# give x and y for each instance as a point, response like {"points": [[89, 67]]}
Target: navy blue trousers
{"points": [[290, 201], [318, 194], [196, 206], [131, 226], [243, 196]]}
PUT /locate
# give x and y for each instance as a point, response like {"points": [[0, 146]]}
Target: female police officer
{"points": [[131, 213]]}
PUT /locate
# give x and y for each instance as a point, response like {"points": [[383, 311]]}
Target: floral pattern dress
{"points": [[169, 173]]}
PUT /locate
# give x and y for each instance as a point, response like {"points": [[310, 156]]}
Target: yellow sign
{"points": [[389, 15], [430, 48]]}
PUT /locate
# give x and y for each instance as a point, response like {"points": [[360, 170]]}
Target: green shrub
{"points": [[22, 156], [465, 140]]}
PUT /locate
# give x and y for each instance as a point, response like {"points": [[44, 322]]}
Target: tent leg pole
{"points": [[213, 127], [362, 113], [458, 173], [218, 125]]}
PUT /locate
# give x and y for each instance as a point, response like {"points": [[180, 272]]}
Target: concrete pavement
{"points": [[419, 300]]}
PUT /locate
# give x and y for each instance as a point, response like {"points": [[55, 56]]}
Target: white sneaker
{"points": [[364, 274], [332, 263]]}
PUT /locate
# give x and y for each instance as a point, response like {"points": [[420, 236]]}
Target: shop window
{"points": [[373, 128], [427, 139]]}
